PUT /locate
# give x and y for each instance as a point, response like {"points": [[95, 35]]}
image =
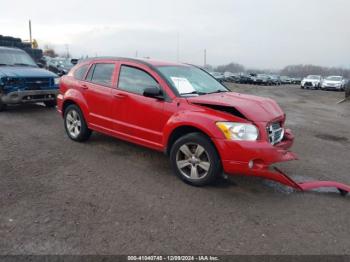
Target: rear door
{"points": [[97, 92]]}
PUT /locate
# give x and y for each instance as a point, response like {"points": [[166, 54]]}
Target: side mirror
{"points": [[40, 65], [153, 92]]}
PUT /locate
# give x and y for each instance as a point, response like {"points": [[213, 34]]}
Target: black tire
{"points": [[84, 132], [210, 154], [301, 87], [50, 104], [2, 106]]}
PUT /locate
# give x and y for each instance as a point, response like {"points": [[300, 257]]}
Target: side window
{"points": [[135, 80], [101, 74], [80, 72]]}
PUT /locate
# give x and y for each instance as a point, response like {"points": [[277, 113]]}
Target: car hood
{"points": [[311, 80], [254, 108], [20, 71], [332, 82]]}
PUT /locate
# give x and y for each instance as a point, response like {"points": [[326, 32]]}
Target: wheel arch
{"points": [[183, 130], [76, 98]]}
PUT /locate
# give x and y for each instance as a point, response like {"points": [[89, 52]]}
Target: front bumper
{"points": [[254, 158], [310, 84], [329, 87], [31, 96]]}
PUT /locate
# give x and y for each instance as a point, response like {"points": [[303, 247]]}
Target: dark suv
{"points": [[22, 81]]}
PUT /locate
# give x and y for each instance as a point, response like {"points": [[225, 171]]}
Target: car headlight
{"points": [[238, 131], [56, 80]]}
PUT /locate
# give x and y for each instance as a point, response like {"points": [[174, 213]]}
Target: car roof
{"points": [[146, 61], [10, 48]]}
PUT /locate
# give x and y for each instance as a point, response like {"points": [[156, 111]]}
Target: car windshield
{"points": [[15, 57], [334, 78], [190, 80], [313, 77], [64, 63]]}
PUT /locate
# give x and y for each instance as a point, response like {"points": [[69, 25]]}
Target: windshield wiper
{"points": [[4, 64], [22, 64], [194, 93], [218, 91]]}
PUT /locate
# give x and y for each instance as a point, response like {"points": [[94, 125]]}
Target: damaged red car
{"points": [[179, 109]]}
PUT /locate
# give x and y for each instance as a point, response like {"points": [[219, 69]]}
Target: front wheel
{"points": [[195, 159], [75, 124], [2, 105]]}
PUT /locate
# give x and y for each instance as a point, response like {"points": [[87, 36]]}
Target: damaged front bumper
{"points": [[29, 96], [257, 158]]}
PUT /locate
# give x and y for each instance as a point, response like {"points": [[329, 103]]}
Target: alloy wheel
{"points": [[73, 123], [193, 161]]}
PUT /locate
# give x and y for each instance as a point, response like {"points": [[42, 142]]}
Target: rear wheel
{"points": [[195, 159], [75, 124]]}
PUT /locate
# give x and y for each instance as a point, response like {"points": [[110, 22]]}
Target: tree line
{"points": [[290, 70]]}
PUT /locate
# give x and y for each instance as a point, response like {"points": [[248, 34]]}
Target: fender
{"points": [[77, 98], [204, 122]]}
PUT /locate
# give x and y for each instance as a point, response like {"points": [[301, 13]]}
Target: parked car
{"points": [[231, 77], [286, 80], [334, 83], [275, 79], [263, 79], [244, 78], [296, 80], [252, 78], [218, 76], [22, 81], [311, 81], [59, 66], [180, 110]]}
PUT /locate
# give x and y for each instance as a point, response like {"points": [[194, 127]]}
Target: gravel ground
{"points": [[107, 196]]}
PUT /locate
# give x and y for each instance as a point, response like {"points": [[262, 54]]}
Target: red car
{"points": [[178, 109]]}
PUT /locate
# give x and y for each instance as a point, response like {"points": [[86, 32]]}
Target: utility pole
{"points": [[30, 33], [178, 47], [205, 57], [67, 51]]}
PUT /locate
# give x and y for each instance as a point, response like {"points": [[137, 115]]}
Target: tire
{"points": [[198, 169], [301, 87], [75, 124], [50, 104], [2, 106]]}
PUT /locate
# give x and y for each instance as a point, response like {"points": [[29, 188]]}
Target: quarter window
{"points": [[135, 80], [80, 72], [101, 74]]}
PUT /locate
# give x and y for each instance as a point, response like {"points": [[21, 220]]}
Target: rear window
{"points": [[80, 72], [101, 74]]}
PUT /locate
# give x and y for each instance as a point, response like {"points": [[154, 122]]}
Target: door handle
{"points": [[119, 95], [84, 86]]}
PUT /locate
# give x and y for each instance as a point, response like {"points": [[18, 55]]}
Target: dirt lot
{"points": [[108, 197]]}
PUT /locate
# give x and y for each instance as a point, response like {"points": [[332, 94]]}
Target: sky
{"points": [[267, 34]]}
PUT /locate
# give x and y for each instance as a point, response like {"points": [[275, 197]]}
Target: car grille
{"points": [[36, 83], [275, 132], [308, 83]]}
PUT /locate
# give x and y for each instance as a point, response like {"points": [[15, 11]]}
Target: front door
{"points": [[137, 117]]}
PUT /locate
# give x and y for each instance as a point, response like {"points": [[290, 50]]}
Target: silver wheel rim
{"points": [[73, 123], [193, 161]]}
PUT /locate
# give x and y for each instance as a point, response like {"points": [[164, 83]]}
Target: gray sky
{"points": [[255, 33]]}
